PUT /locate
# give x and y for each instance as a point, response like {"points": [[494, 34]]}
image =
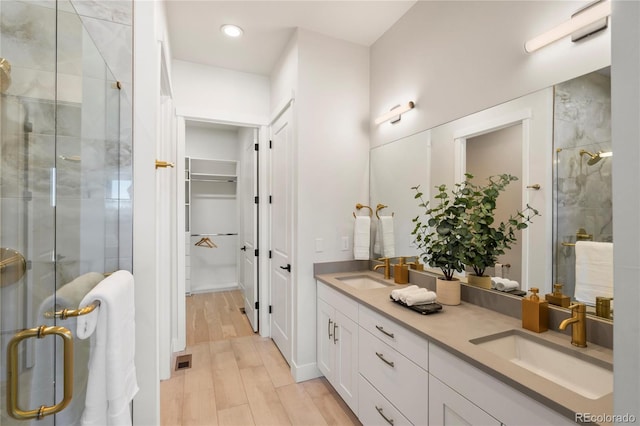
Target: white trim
{"points": [[305, 372], [493, 124], [522, 117], [211, 116], [281, 108]]}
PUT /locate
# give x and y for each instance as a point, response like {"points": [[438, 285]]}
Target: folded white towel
{"points": [[397, 293], [68, 296], [377, 241], [387, 237], [505, 284], [112, 374], [421, 296], [594, 271], [361, 237]]}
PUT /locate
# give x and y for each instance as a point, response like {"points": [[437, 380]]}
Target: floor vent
{"points": [[242, 310], [183, 362]]}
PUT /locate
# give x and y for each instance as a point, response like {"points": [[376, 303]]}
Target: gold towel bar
{"points": [[66, 313], [361, 206], [380, 207]]}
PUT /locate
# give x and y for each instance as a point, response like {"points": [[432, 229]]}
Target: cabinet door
{"points": [[325, 343], [447, 407], [346, 364]]}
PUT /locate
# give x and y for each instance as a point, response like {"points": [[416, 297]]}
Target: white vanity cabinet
{"points": [[337, 343], [449, 408], [394, 361]]}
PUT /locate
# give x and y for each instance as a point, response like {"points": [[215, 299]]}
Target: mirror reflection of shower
{"points": [[595, 158], [5, 75]]}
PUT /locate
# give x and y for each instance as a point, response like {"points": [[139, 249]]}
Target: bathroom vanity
{"points": [[392, 365]]}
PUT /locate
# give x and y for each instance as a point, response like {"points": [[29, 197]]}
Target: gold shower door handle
{"points": [[13, 379], [164, 164]]}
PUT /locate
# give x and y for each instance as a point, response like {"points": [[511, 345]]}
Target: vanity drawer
{"points": [[374, 409], [339, 301], [409, 344], [401, 381]]}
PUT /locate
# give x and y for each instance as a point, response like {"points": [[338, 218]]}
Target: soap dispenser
{"points": [[401, 272], [557, 298], [417, 265], [535, 312]]}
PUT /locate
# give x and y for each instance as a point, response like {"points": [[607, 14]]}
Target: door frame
{"points": [[262, 216]]}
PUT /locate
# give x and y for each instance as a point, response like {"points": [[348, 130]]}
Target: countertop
{"points": [[452, 329]]}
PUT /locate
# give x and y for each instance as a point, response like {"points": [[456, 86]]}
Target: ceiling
{"points": [[194, 27]]}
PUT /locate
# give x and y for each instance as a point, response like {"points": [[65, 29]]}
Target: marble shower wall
{"points": [[63, 110], [583, 193]]}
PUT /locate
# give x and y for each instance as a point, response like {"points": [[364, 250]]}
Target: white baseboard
{"points": [[305, 372]]}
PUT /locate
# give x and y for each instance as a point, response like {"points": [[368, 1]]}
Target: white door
{"points": [[249, 190], [325, 328], [280, 273], [447, 407]]}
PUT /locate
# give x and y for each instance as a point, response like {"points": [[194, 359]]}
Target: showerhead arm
{"points": [[593, 158]]}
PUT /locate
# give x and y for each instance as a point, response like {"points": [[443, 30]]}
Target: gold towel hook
{"points": [[380, 207], [362, 206]]}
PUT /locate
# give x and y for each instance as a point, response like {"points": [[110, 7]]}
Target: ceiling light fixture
{"points": [[231, 30], [396, 113], [586, 21]]}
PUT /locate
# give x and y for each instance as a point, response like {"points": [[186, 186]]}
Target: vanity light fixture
{"points": [[586, 21], [396, 113], [231, 30]]}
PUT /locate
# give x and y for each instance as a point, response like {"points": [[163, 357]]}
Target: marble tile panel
{"points": [[115, 43], [113, 11]]}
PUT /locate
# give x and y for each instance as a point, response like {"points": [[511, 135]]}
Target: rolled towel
{"points": [[495, 281], [421, 296], [507, 285], [397, 293]]}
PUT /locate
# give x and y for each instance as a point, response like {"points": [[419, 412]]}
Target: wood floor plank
{"points": [[334, 410], [272, 359], [171, 400], [227, 380], [299, 406], [199, 409], [236, 416], [245, 352], [263, 400]]}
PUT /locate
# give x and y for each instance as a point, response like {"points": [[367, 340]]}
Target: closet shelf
{"points": [[208, 177]]}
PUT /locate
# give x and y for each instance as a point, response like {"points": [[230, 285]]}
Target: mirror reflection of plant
{"points": [[441, 234], [489, 240]]}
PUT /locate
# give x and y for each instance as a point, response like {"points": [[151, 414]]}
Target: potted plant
{"points": [[489, 239], [442, 237]]}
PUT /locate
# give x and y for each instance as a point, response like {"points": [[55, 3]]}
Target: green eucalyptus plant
{"points": [[489, 239], [460, 230], [442, 233]]}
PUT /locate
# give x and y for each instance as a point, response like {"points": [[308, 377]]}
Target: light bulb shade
{"points": [[579, 21], [395, 112]]}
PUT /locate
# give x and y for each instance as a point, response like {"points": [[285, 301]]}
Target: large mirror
{"points": [[557, 141]]}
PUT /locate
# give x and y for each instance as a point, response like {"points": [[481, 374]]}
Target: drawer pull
{"points": [[390, 421], [329, 328], [389, 363], [382, 330], [335, 335]]}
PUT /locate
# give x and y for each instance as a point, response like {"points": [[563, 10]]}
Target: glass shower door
{"points": [[61, 194]]}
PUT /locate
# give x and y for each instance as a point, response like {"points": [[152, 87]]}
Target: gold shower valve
{"points": [[164, 164]]}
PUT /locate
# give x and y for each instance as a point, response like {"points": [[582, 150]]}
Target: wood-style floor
{"points": [[238, 378]]}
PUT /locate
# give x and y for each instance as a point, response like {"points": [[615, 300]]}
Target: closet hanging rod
{"points": [[212, 235]]}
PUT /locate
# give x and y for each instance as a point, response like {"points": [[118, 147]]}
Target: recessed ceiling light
{"points": [[231, 30]]}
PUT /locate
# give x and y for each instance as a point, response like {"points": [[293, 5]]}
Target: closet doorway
{"points": [[221, 211]]}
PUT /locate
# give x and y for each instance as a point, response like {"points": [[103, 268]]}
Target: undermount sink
{"points": [[580, 373], [363, 282]]}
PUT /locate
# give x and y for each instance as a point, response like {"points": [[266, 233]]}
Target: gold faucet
{"points": [[579, 325], [386, 266]]}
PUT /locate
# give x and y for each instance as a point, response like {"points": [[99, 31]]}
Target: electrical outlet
{"points": [[345, 243], [319, 245]]}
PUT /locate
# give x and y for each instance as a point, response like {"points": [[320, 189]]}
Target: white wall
{"points": [[213, 143], [625, 95], [202, 91], [457, 57], [284, 77], [331, 83]]}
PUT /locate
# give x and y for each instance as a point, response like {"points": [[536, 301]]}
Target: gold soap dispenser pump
{"points": [[401, 272], [557, 297], [535, 312]]}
